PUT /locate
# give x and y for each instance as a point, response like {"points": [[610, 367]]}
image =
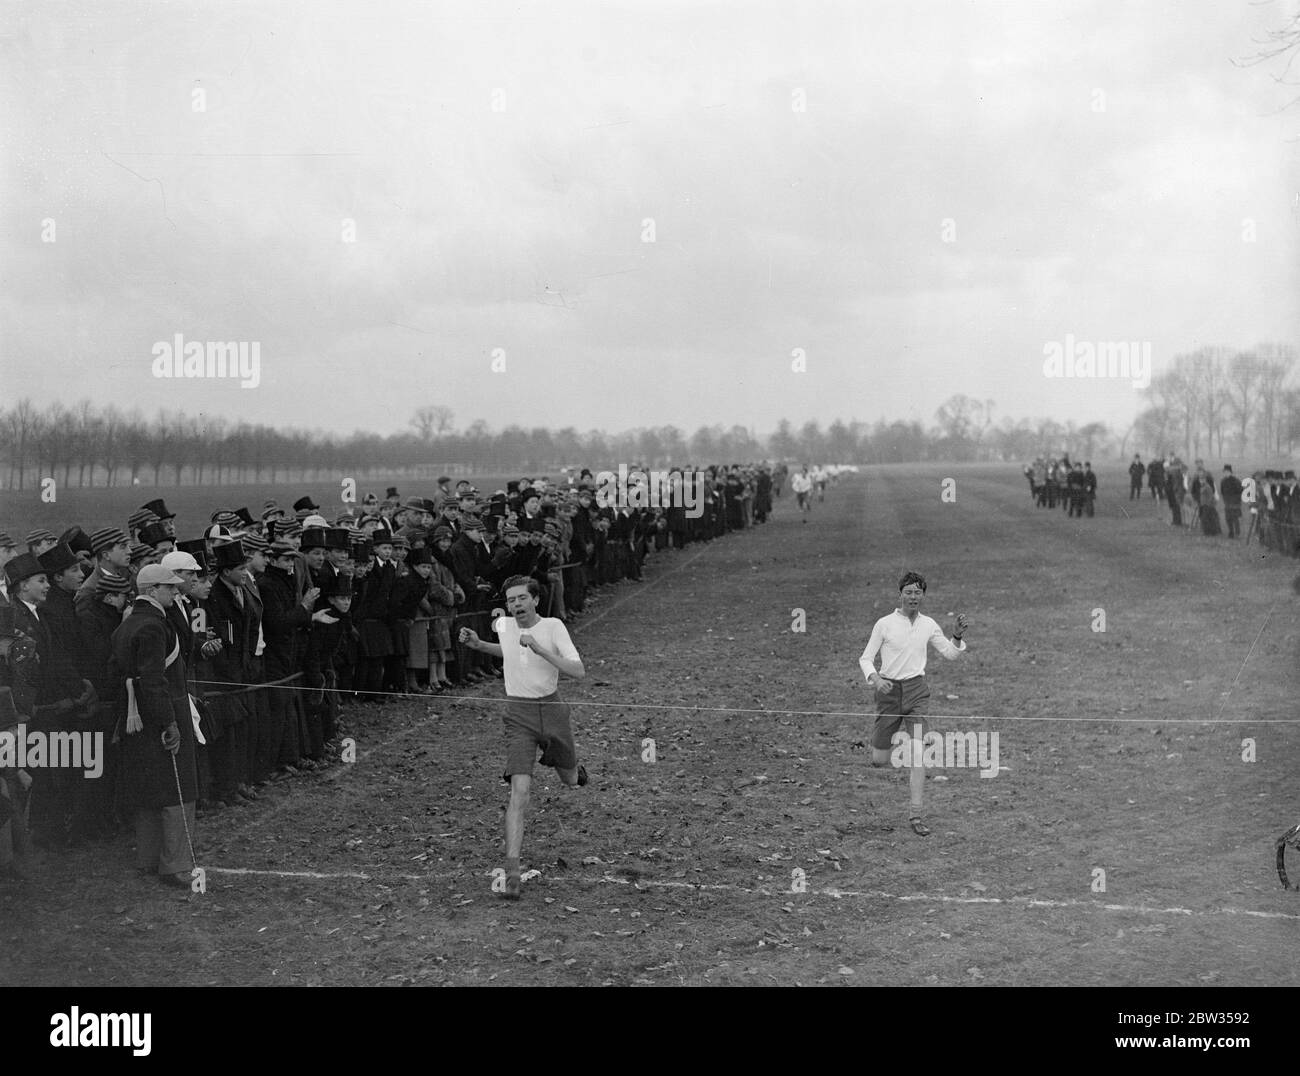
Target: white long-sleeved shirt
{"points": [[901, 644]]}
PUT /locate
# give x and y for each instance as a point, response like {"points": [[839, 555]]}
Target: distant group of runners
{"points": [[807, 479]]}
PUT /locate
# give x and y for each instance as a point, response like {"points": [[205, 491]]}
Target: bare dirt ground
{"points": [[680, 871]]}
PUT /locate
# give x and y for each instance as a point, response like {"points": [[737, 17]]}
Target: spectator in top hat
{"points": [[371, 614], [79, 542], [59, 690], [158, 538], [304, 506], [159, 509]]}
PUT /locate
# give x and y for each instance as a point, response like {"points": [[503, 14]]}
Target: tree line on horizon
{"points": [[1209, 397]]}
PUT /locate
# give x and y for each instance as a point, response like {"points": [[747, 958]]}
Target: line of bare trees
{"points": [[1216, 400], [1205, 400], [86, 445]]}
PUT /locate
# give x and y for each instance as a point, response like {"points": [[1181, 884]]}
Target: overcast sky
{"points": [[1102, 167]]}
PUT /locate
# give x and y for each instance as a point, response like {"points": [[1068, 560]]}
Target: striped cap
{"points": [[227, 519], [255, 543], [275, 549], [106, 538], [345, 519], [290, 530], [139, 518], [40, 536], [6, 542], [112, 583], [139, 551]]}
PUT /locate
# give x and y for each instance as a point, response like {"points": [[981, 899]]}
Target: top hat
{"points": [[158, 508], [58, 559], [23, 567], [229, 555], [77, 539], [305, 504], [154, 533]]}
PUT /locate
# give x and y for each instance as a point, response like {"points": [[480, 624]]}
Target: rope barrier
{"points": [[597, 703]]}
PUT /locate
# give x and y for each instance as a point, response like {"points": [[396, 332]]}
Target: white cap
{"points": [[153, 574], [178, 561], [315, 521]]}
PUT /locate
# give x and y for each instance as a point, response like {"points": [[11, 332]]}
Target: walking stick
{"points": [[180, 798]]}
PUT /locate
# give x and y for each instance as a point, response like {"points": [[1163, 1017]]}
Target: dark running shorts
{"points": [[533, 723], [909, 699]]}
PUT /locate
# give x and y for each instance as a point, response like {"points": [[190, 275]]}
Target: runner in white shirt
{"points": [[802, 486], [535, 651], [902, 640]]}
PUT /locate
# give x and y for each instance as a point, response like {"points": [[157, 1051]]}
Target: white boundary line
{"points": [[837, 894]]}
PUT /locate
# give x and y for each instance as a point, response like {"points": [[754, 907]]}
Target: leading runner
{"points": [[535, 650], [901, 639]]}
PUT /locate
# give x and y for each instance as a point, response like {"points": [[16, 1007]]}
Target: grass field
{"points": [[1123, 752]]}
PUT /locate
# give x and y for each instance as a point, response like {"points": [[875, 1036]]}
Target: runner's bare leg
{"points": [[520, 785]]}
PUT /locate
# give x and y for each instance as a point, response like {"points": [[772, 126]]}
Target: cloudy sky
{"points": [[921, 197]]}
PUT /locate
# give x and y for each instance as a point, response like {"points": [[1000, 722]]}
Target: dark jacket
{"points": [[285, 623], [236, 628], [141, 646], [372, 612], [61, 662], [97, 622]]}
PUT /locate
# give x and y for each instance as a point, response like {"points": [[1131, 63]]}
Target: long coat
{"points": [[285, 623], [237, 629], [141, 647], [372, 612]]}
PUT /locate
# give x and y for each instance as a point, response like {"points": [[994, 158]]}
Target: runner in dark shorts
{"points": [[905, 706], [542, 723], [901, 642], [535, 652]]}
